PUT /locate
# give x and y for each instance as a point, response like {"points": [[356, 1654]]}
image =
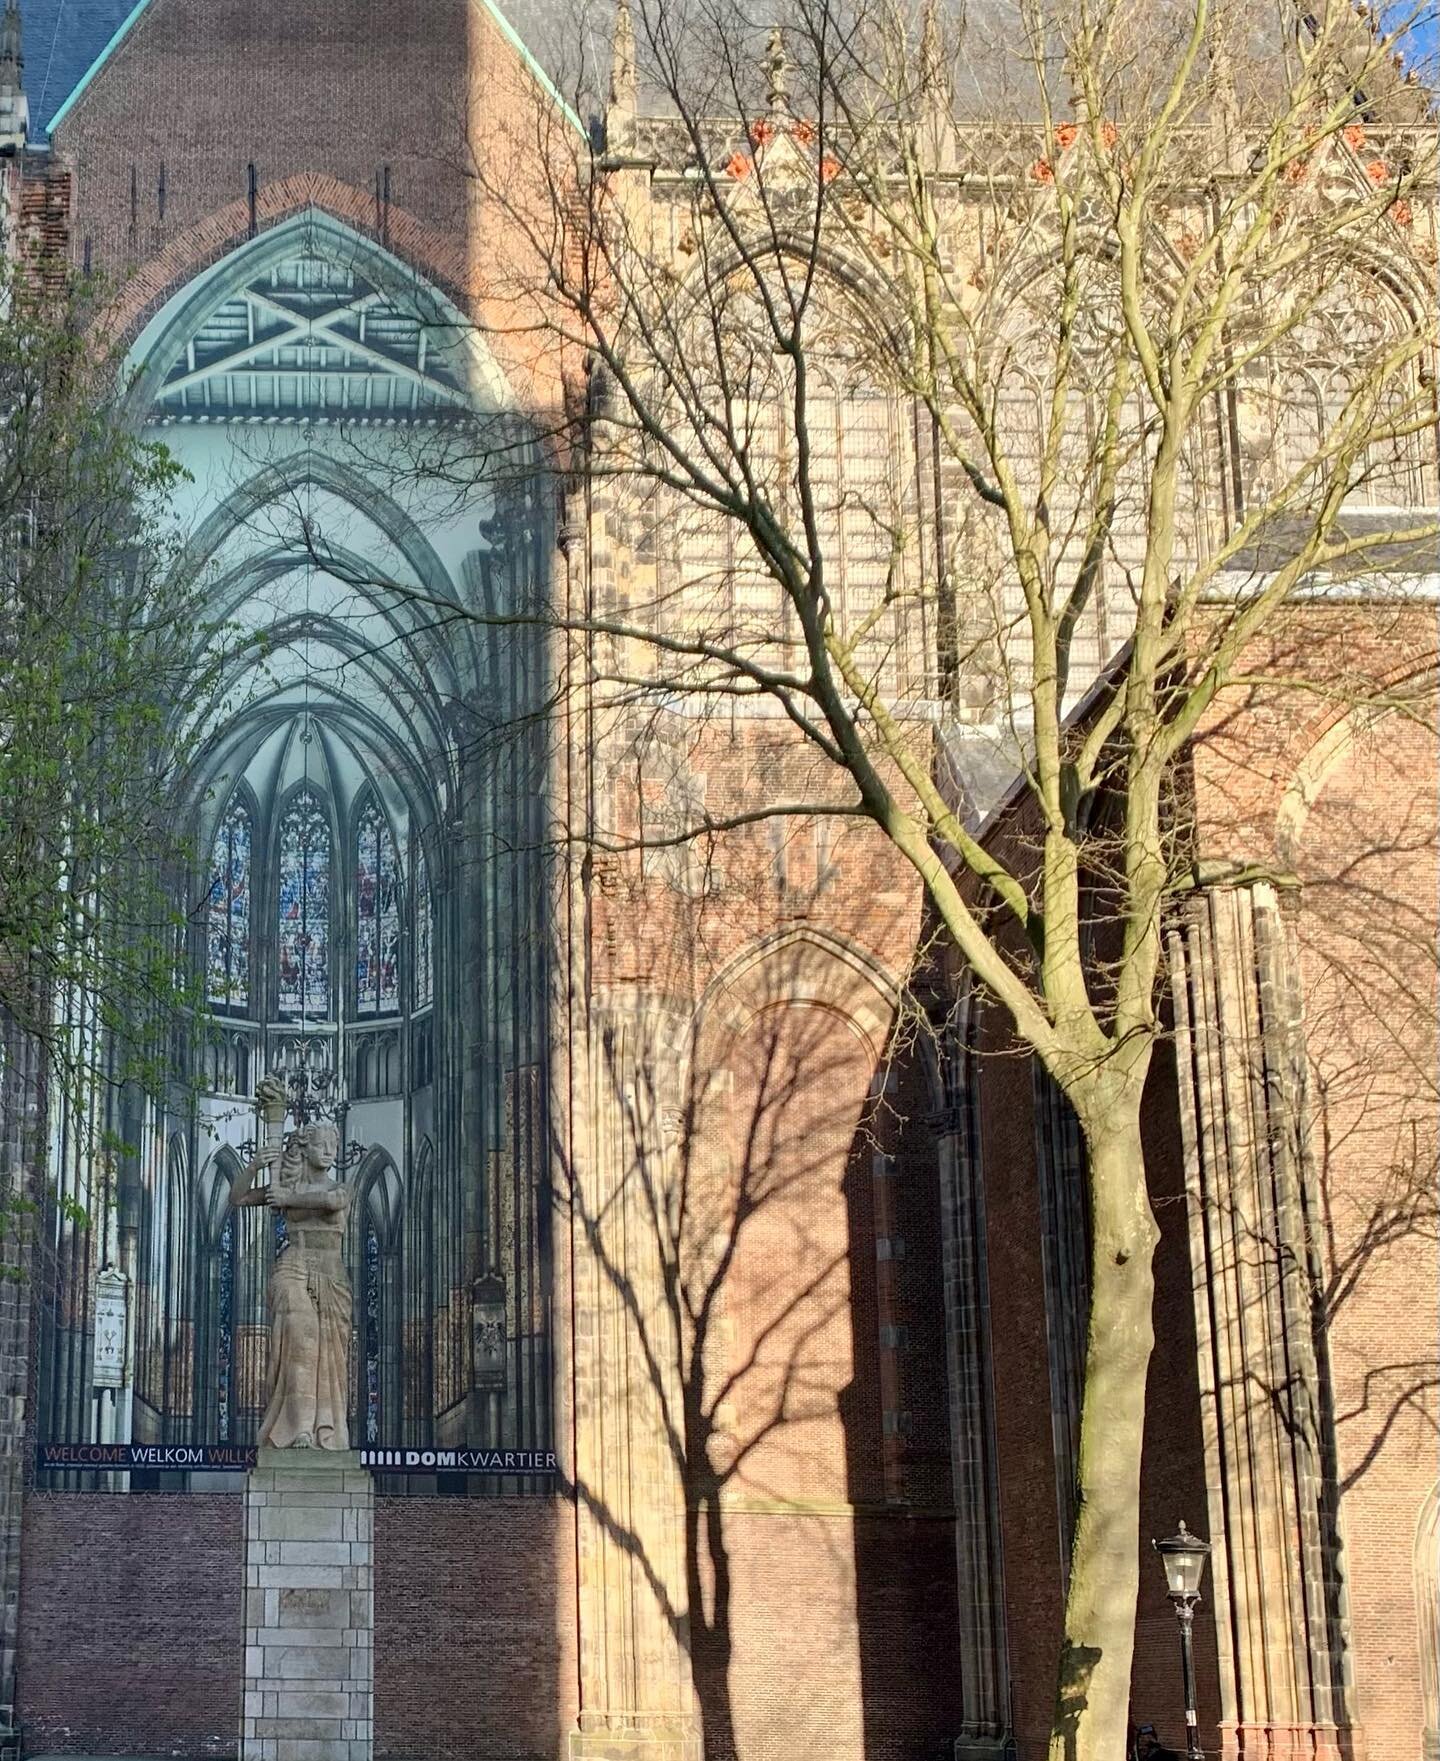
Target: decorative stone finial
{"points": [[932, 56], [937, 99], [777, 69], [620, 110]]}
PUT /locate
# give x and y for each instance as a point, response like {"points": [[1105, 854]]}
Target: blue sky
{"points": [[1427, 31]]}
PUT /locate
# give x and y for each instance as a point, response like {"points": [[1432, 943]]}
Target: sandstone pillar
{"points": [[1277, 1596], [636, 1699], [309, 1608]]}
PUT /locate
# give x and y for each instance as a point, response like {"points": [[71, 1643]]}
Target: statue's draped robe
{"points": [[310, 1334]]}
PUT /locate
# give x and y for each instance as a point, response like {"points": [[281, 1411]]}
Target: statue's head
{"points": [[319, 1144], [309, 1150]]}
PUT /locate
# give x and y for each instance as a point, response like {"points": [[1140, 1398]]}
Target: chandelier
{"points": [[314, 1094]]}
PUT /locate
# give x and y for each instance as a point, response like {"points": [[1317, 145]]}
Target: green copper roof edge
{"points": [[508, 30], [95, 66], [517, 41]]}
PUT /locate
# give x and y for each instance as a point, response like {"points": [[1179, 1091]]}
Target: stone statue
{"points": [[309, 1292]]}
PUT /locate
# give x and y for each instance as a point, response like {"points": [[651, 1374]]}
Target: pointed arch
{"points": [[311, 234], [804, 964], [178, 1378], [377, 1222], [217, 1249], [419, 1280], [1328, 749], [163, 1311], [422, 934], [1341, 350], [311, 468], [861, 471]]}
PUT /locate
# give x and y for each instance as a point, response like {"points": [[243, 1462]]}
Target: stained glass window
{"points": [[227, 981], [305, 908], [377, 929], [424, 932]]}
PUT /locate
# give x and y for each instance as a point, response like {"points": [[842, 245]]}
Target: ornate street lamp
{"points": [[1184, 1556]]}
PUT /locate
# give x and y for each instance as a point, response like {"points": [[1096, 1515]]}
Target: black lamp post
{"points": [[1184, 1557]]}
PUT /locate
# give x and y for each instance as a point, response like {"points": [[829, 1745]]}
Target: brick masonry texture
{"points": [[1348, 802], [867, 1609], [399, 94], [262, 85], [474, 1617], [1371, 836], [130, 1621]]}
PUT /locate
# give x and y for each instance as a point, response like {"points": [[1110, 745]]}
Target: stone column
{"points": [[1277, 1597], [1427, 1609], [309, 1608], [637, 1703]]}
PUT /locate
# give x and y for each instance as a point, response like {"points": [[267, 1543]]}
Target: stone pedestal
{"points": [[309, 1608]]}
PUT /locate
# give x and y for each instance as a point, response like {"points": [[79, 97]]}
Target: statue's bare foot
{"points": [[302, 1441]]}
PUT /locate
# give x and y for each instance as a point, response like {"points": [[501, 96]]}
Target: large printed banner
{"points": [[460, 1461], [232, 1458], [120, 1457]]}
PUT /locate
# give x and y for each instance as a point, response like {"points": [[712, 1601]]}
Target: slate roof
{"points": [[568, 39], [62, 39]]}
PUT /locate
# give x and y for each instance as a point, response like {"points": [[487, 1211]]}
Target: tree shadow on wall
{"points": [[727, 1235]]}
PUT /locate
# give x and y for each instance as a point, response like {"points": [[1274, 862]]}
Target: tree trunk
{"points": [[710, 1639], [1093, 1692]]}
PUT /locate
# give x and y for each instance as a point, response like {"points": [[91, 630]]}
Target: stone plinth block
{"points": [[309, 1608], [636, 1737]]}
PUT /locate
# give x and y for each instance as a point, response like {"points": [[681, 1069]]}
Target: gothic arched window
{"points": [[424, 945], [418, 1278], [304, 907], [374, 1332], [227, 922], [377, 906], [377, 1244], [225, 1329]]}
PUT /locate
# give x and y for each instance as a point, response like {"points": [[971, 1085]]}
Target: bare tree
{"points": [[975, 396]]}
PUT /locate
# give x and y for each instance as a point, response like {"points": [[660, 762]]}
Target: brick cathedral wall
{"points": [[474, 1628], [131, 1626], [843, 1638], [204, 90], [1364, 920], [131, 1622], [1369, 980], [840, 1633], [378, 115]]}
